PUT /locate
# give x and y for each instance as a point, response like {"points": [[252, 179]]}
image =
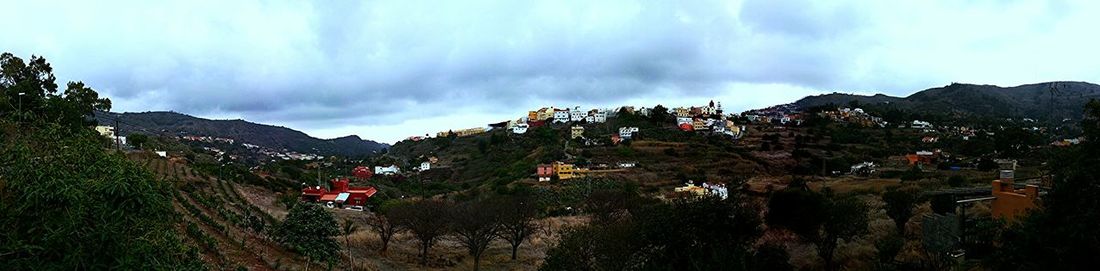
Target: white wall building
{"points": [[520, 128], [390, 170], [600, 116], [682, 120], [561, 116], [576, 114], [627, 132]]}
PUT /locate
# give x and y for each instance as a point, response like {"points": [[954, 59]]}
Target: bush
{"points": [[54, 169], [956, 181]]}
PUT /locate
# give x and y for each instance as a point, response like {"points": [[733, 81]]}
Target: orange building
{"points": [[1010, 203]]}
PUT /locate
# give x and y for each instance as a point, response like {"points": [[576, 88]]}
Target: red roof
{"points": [[329, 197], [369, 191]]}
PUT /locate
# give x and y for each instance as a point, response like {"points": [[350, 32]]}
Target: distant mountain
{"points": [[1043, 101], [273, 137]]}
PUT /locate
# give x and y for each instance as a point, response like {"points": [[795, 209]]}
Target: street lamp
{"points": [[21, 105]]}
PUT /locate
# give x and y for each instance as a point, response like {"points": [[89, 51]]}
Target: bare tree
{"points": [[517, 221], [425, 219], [475, 225], [384, 226]]}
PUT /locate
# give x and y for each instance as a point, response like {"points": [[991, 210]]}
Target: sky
{"points": [[386, 70]]}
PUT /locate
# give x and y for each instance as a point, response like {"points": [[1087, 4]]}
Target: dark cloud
{"points": [[379, 68]]}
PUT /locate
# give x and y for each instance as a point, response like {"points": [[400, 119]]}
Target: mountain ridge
{"points": [[1050, 101], [266, 135]]}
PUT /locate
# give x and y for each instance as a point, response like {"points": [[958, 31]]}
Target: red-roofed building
{"points": [[362, 172], [544, 171], [341, 194]]}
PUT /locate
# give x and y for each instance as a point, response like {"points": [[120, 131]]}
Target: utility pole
{"points": [[118, 129]]}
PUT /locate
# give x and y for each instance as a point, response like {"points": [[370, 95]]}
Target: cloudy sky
{"points": [[386, 70]]}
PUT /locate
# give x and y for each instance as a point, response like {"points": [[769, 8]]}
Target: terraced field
{"points": [[215, 218]]}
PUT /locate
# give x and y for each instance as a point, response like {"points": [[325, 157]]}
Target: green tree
{"points": [[65, 203], [818, 218], [899, 205], [956, 181], [308, 229], [30, 94], [138, 140]]}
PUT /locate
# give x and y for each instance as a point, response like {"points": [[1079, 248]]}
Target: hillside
{"points": [[665, 156], [1050, 101], [273, 137]]}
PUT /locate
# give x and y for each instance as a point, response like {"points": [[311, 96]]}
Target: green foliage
{"points": [[138, 140], [772, 258], [65, 203], [956, 181], [899, 205], [943, 204], [798, 210], [309, 229], [819, 218], [30, 95], [887, 249], [914, 173]]}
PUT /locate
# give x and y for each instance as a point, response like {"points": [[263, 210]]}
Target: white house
{"points": [[627, 132], [576, 114], [425, 166], [561, 115], [717, 190], [645, 111], [710, 109], [600, 116], [921, 125], [627, 164], [519, 128], [162, 153], [682, 120], [390, 170]]}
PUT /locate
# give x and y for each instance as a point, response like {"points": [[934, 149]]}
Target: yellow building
{"points": [[463, 132], [690, 188], [544, 113], [699, 125], [576, 132], [107, 131], [470, 131], [564, 171], [682, 112], [532, 115]]}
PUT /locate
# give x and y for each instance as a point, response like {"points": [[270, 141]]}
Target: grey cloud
{"points": [[328, 64]]}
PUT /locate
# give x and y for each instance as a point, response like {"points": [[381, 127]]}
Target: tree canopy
{"points": [[309, 229], [30, 95]]}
